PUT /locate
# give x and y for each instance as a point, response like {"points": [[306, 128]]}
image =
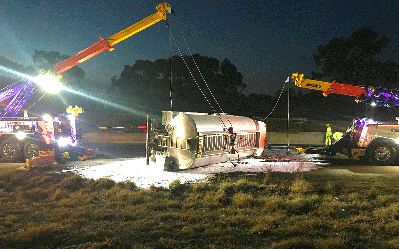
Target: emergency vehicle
{"points": [[24, 137], [366, 139]]}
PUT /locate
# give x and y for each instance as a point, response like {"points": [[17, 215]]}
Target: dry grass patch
{"points": [[243, 200], [301, 186], [387, 213], [212, 199], [267, 224], [230, 211]]}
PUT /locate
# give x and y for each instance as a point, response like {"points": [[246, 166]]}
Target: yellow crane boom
{"points": [[162, 8], [104, 44]]}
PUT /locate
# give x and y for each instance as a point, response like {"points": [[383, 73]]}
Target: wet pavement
{"points": [[135, 169], [122, 162]]}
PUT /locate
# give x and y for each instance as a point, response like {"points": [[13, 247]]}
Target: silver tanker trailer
{"points": [[188, 140]]}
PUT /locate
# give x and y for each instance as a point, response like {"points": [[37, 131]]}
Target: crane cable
{"points": [[196, 65], [188, 68], [217, 114], [195, 81], [37, 100], [285, 82]]}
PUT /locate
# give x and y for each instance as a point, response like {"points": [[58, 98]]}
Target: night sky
{"points": [[266, 40]]}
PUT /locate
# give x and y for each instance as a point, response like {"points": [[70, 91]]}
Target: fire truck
{"points": [[378, 142]]}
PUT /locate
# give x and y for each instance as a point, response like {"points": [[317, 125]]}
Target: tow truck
{"points": [[23, 138], [386, 97], [378, 142]]}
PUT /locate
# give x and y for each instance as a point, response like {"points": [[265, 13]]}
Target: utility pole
{"points": [[170, 64], [288, 116]]}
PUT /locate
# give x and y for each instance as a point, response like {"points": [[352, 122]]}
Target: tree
{"points": [[8, 64], [47, 60], [353, 60], [72, 78], [192, 78], [232, 79]]}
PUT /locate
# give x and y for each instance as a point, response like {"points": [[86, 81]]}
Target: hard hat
{"points": [[327, 124]]}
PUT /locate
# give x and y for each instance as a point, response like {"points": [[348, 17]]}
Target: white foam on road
{"points": [[144, 176], [137, 171]]}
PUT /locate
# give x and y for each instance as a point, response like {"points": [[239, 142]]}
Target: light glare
{"points": [[47, 118], [49, 83], [20, 135], [64, 141]]}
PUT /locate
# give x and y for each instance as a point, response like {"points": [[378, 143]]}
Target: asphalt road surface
{"points": [[343, 164], [337, 163], [109, 152], [118, 150]]}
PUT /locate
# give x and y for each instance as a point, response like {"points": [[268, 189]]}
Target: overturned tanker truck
{"points": [[188, 140]]}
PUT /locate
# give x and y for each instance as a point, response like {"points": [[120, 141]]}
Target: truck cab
{"points": [[378, 142]]}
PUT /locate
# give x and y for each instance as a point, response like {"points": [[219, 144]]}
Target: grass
{"points": [[43, 209]]}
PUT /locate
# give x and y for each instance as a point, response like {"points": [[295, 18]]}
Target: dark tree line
{"points": [[198, 83], [145, 85], [354, 61], [46, 60], [350, 60]]}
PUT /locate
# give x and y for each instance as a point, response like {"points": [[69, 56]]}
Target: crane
{"points": [[387, 97], [104, 44], [23, 91]]}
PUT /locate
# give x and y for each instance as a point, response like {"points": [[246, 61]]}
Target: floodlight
{"points": [[64, 141], [49, 83], [47, 117], [20, 135]]}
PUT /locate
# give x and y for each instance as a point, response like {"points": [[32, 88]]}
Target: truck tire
{"points": [[382, 154], [10, 151], [170, 164], [32, 148]]}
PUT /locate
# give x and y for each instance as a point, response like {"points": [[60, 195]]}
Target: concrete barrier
{"points": [[273, 138], [300, 138], [102, 137]]}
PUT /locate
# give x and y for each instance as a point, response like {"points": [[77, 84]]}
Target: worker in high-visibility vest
{"points": [[328, 135]]}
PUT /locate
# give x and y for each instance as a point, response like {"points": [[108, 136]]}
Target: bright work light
{"points": [[49, 83]]}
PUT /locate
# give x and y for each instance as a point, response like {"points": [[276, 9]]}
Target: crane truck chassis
{"points": [[24, 137], [377, 142]]}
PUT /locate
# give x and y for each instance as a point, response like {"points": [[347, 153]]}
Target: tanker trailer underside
{"points": [[195, 140]]}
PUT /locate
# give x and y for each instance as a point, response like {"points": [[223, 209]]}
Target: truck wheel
{"points": [[32, 148], [169, 165], [10, 150], [382, 155]]}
